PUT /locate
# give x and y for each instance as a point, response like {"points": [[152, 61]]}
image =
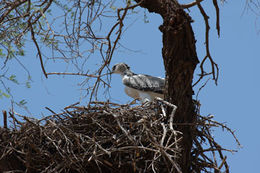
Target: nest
{"points": [[103, 137]]}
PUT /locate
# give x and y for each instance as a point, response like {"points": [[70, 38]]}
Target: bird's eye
{"points": [[113, 68]]}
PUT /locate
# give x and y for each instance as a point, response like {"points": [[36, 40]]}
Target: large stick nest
{"points": [[103, 137]]}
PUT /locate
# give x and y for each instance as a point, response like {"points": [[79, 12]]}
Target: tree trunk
{"points": [[180, 60]]}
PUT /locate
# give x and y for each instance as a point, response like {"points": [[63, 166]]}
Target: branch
{"points": [[81, 74], [208, 56], [215, 2], [10, 8], [77, 74], [112, 44], [196, 2], [5, 118], [38, 48]]}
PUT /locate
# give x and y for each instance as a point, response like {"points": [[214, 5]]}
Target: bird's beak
{"points": [[111, 72]]}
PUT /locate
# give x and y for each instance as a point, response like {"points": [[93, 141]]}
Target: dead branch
{"points": [[214, 66]]}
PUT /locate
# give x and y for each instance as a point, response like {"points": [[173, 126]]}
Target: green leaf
{"points": [[129, 3], [22, 103], [20, 52], [113, 8], [6, 95], [13, 79], [28, 84], [1, 53]]}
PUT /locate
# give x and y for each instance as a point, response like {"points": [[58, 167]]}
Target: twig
{"points": [[5, 119], [14, 5], [38, 48], [214, 66], [215, 2], [191, 4], [122, 128], [77, 74]]}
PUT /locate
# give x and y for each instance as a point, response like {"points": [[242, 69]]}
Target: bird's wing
{"points": [[145, 83]]}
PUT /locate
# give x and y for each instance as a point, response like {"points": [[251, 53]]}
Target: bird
{"points": [[144, 88]]}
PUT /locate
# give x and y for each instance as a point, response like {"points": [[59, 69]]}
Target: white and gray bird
{"points": [[140, 86]]}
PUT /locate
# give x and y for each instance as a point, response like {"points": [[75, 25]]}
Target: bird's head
{"points": [[120, 68]]}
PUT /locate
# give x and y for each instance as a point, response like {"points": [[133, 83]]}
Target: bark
{"points": [[180, 60]]}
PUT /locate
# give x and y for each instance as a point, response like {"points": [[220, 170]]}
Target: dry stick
{"points": [[191, 4], [218, 148], [208, 56], [221, 155], [72, 105], [5, 119], [201, 89], [122, 128], [163, 111], [173, 162], [135, 147], [38, 49], [168, 156], [15, 120], [198, 145], [50, 110], [214, 146], [78, 74], [164, 133], [161, 149], [171, 120], [172, 113], [223, 126], [223, 161]]}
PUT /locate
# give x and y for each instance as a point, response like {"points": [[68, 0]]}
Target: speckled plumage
{"points": [[140, 86]]}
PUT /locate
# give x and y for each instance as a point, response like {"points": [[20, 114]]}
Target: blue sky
{"points": [[234, 100]]}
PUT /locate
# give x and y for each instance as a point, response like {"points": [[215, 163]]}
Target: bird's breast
{"points": [[132, 92]]}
